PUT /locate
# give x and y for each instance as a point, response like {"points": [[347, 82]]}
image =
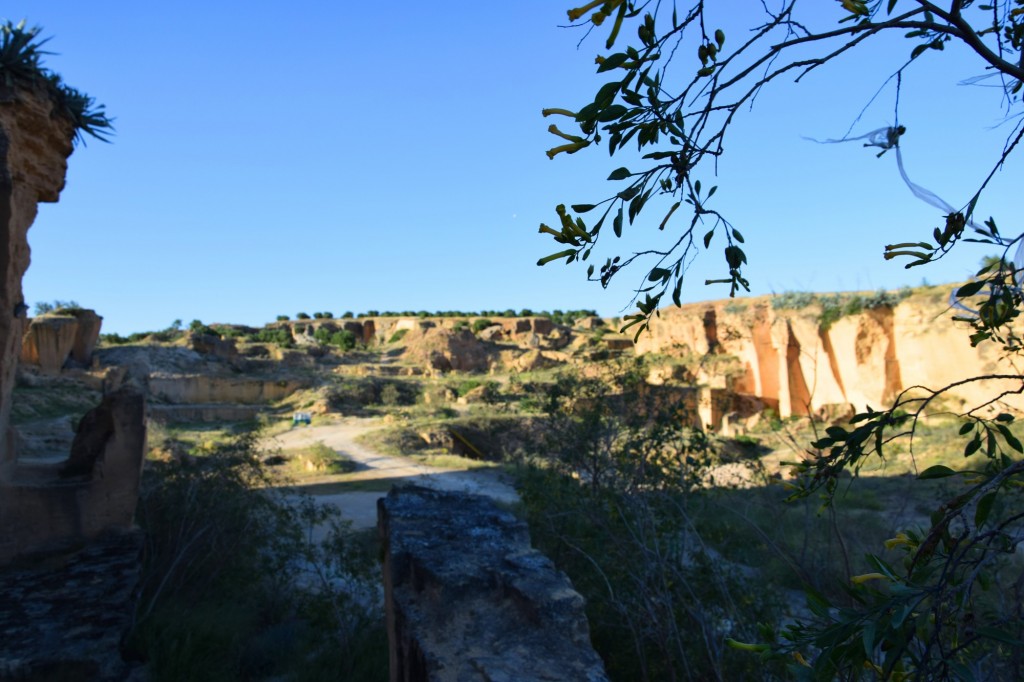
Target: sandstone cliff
{"points": [[53, 341], [34, 147], [798, 363]]}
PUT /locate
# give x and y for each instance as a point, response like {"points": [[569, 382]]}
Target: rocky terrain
{"points": [[731, 360]]}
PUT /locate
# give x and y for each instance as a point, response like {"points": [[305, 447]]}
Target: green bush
{"points": [[609, 496], [481, 324], [302, 316], [398, 335], [280, 336], [218, 597], [343, 339]]}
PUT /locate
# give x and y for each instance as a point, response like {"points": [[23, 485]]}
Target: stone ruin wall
{"points": [[468, 600]]}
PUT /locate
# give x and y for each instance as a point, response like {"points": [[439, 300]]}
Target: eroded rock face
{"points": [[34, 147], [192, 389], [445, 350], [467, 599], [791, 362], [208, 344], [52, 342]]}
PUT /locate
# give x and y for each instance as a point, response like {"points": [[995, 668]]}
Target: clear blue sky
{"points": [[276, 157]]}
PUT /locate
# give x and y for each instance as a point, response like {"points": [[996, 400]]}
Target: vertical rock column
{"points": [[34, 147]]}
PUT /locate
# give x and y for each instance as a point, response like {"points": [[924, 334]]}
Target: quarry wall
{"points": [[794, 363]]}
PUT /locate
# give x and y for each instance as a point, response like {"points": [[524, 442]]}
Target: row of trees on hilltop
{"points": [[567, 317]]}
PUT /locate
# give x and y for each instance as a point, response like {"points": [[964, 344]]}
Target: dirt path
{"points": [[360, 507]]}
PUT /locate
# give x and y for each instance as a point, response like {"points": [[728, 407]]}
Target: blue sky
{"points": [[275, 157]]}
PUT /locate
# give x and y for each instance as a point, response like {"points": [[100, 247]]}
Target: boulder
{"points": [[208, 344], [534, 360], [57, 340], [89, 324], [492, 334], [49, 341]]}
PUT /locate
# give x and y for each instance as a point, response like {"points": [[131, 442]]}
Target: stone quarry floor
{"points": [[360, 507]]}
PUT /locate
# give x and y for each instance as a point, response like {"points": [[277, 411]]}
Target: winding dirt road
{"points": [[360, 507]]}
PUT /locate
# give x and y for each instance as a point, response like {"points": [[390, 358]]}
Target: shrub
{"points": [[793, 300], [222, 595], [302, 316], [279, 336], [43, 307], [611, 502], [398, 335], [481, 324], [343, 339], [282, 318], [390, 395]]}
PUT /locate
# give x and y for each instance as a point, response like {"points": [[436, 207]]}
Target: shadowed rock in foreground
{"points": [[63, 616], [468, 599]]}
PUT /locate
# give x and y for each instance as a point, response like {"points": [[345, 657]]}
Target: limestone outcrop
{"points": [[793, 362], [208, 344], [192, 389], [467, 599], [55, 341], [34, 147], [443, 350]]}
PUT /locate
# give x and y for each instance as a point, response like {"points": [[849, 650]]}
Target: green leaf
{"points": [[629, 193], [606, 95], [836, 433], [612, 62], [999, 635], [582, 208], [937, 471], [617, 223], [984, 507], [735, 257], [657, 274], [973, 446], [619, 174], [966, 428], [612, 113], [1010, 439], [970, 289], [707, 238]]}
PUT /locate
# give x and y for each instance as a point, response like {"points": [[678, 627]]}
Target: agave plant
{"points": [[21, 64]]}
